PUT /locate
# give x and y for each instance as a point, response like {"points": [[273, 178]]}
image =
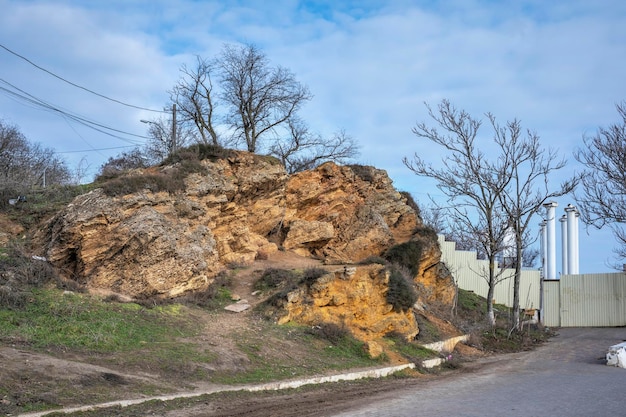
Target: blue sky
{"points": [[558, 66]]}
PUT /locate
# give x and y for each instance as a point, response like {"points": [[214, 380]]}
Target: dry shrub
{"points": [[311, 275], [332, 332], [401, 293], [406, 254], [273, 278], [12, 298], [19, 274]]}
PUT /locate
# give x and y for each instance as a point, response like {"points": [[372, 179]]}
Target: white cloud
{"points": [[557, 66]]}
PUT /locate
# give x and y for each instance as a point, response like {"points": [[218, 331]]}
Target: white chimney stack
{"points": [[572, 241], [544, 248], [551, 240], [564, 244]]}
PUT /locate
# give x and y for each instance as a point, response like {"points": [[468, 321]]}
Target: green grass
{"points": [[314, 355], [411, 351], [76, 321]]}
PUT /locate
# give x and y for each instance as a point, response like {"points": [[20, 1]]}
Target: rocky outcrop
{"points": [[150, 243], [233, 210], [355, 210], [353, 298], [434, 279]]}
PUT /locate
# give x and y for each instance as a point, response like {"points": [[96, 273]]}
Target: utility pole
{"points": [[173, 127]]}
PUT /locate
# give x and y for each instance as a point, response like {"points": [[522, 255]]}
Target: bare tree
{"points": [[603, 198], [260, 98], [122, 162], [258, 106], [472, 182], [196, 100], [24, 165], [530, 166], [434, 217], [303, 150], [162, 143]]}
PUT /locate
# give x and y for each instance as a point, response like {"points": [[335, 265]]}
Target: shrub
{"points": [[124, 185], [274, 278], [401, 293], [310, 275], [411, 203], [19, 274], [126, 161], [12, 298], [406, 254], [426, 232], [364, 172], [332, 332], [198, 152]]}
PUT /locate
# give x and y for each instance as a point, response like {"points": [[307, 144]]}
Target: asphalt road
{"points": [[567, 377]]}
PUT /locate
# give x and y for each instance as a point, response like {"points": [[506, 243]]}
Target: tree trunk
{"points": [[516, 283], [491, 318]]}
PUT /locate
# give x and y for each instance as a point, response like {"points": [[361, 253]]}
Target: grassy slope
{"points": [[149, 350]]}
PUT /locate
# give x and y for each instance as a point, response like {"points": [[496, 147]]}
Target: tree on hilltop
{"points": [[239, 99]]}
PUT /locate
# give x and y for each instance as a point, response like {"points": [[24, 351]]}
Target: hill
{"points": [[126, 292]]}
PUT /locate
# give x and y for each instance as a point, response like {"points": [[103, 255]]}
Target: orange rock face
{"points": [[366, 214], [238, 209], [351, 297]]}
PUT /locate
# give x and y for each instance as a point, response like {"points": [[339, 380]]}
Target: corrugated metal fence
{"points": [[472, 274], [586, 300], [583, 300]]}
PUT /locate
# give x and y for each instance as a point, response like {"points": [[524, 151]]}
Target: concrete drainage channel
{"points": [[444, 346], [441, 347]]}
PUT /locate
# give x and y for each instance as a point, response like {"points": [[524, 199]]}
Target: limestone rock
{"points": [[366, 213], [433, 277], [356, 301], [161, 244], [303, 236], [374, 349], [231, 211]]}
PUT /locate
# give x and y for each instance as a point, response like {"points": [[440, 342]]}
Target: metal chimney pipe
{"points": [[551, 241], [564, 244], [576, 245], [544, 248], [572, 242]]}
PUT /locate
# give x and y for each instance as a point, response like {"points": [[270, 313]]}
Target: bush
{"points": [[406, 254], [274, 278], [19, 274], [12, 298], [332, 332], [364, 172], [311, 275], [126, 161], [401, 293], [198, 152], [411, 203], [152, 182]]}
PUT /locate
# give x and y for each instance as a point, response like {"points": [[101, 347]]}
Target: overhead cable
{"points": [[76, 85], [18, 93]]}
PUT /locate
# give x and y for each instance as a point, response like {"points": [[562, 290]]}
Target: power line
{"points": [[76, 85], [96, 150], [18, 93]]}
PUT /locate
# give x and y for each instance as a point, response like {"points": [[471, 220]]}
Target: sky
{"points": [[372, 65]]}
